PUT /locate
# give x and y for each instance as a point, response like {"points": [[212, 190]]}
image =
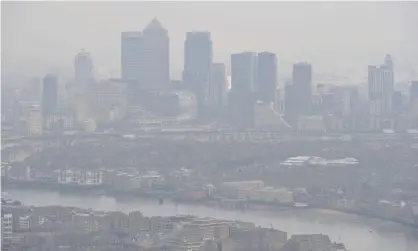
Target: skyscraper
{"points": [[197, 65], [146, 56], [302, 81], [266, 77], [155, 53], [243, 78], [381, 87], [49, 95], [131, 55], [218, 85], [83, 68], [413, 93]]}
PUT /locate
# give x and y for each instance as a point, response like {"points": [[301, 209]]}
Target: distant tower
{"points": [[381, 87], [266, 77], [155, 54], [413, 94], [218, 86], [197, 65], [243, 78], [131, 55], [49, 95], [83, 66], [302, 81], [145, 56]]}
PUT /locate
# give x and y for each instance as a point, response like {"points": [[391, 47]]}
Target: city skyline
{"points": [[330, 53]]}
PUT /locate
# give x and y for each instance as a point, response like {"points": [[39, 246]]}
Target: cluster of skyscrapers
{"points": [[145, 68], [145, 59]]}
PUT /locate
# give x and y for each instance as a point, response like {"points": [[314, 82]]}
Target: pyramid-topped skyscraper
{"points": [[154, 25], [156, 55], [146, 55]]}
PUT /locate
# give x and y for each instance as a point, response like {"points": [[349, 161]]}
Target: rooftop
{"points": [[154, 25]]}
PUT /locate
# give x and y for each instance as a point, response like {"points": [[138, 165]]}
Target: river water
{"points": [[356, 232]]}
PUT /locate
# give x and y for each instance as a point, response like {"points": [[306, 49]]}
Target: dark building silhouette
{"points": [[197, 65], [49, 95], [266, 77], [243, 78]]}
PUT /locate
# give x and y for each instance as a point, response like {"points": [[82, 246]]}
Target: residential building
{"points": [[314, 242], [80, 177], [6, 230]]}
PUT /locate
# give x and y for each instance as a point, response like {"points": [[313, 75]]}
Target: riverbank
{"points": [[162, 196], [357, 232]]}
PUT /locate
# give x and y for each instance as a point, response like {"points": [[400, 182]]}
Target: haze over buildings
{"points": [[44, 37]]}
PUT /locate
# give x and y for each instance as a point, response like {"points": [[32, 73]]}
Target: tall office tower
{"points": [[290, 103], [413, 97], [83, 68], [49, 95], [131, 55], [155, 53], [413, 92], [266, 77], [218, 85], [302, 81], [197, 65], [243, 78], [381, 87]]}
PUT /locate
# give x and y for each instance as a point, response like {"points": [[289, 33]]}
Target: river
{"points": [[356, 232]]}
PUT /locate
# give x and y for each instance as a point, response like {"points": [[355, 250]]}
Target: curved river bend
{"points": [[356, 232]]}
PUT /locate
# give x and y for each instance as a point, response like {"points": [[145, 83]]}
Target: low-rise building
{"points": [[6, 230], [80, 177], [314, 242]]}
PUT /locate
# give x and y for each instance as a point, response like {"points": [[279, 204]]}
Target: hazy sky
{"points": [[41, 37]]}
